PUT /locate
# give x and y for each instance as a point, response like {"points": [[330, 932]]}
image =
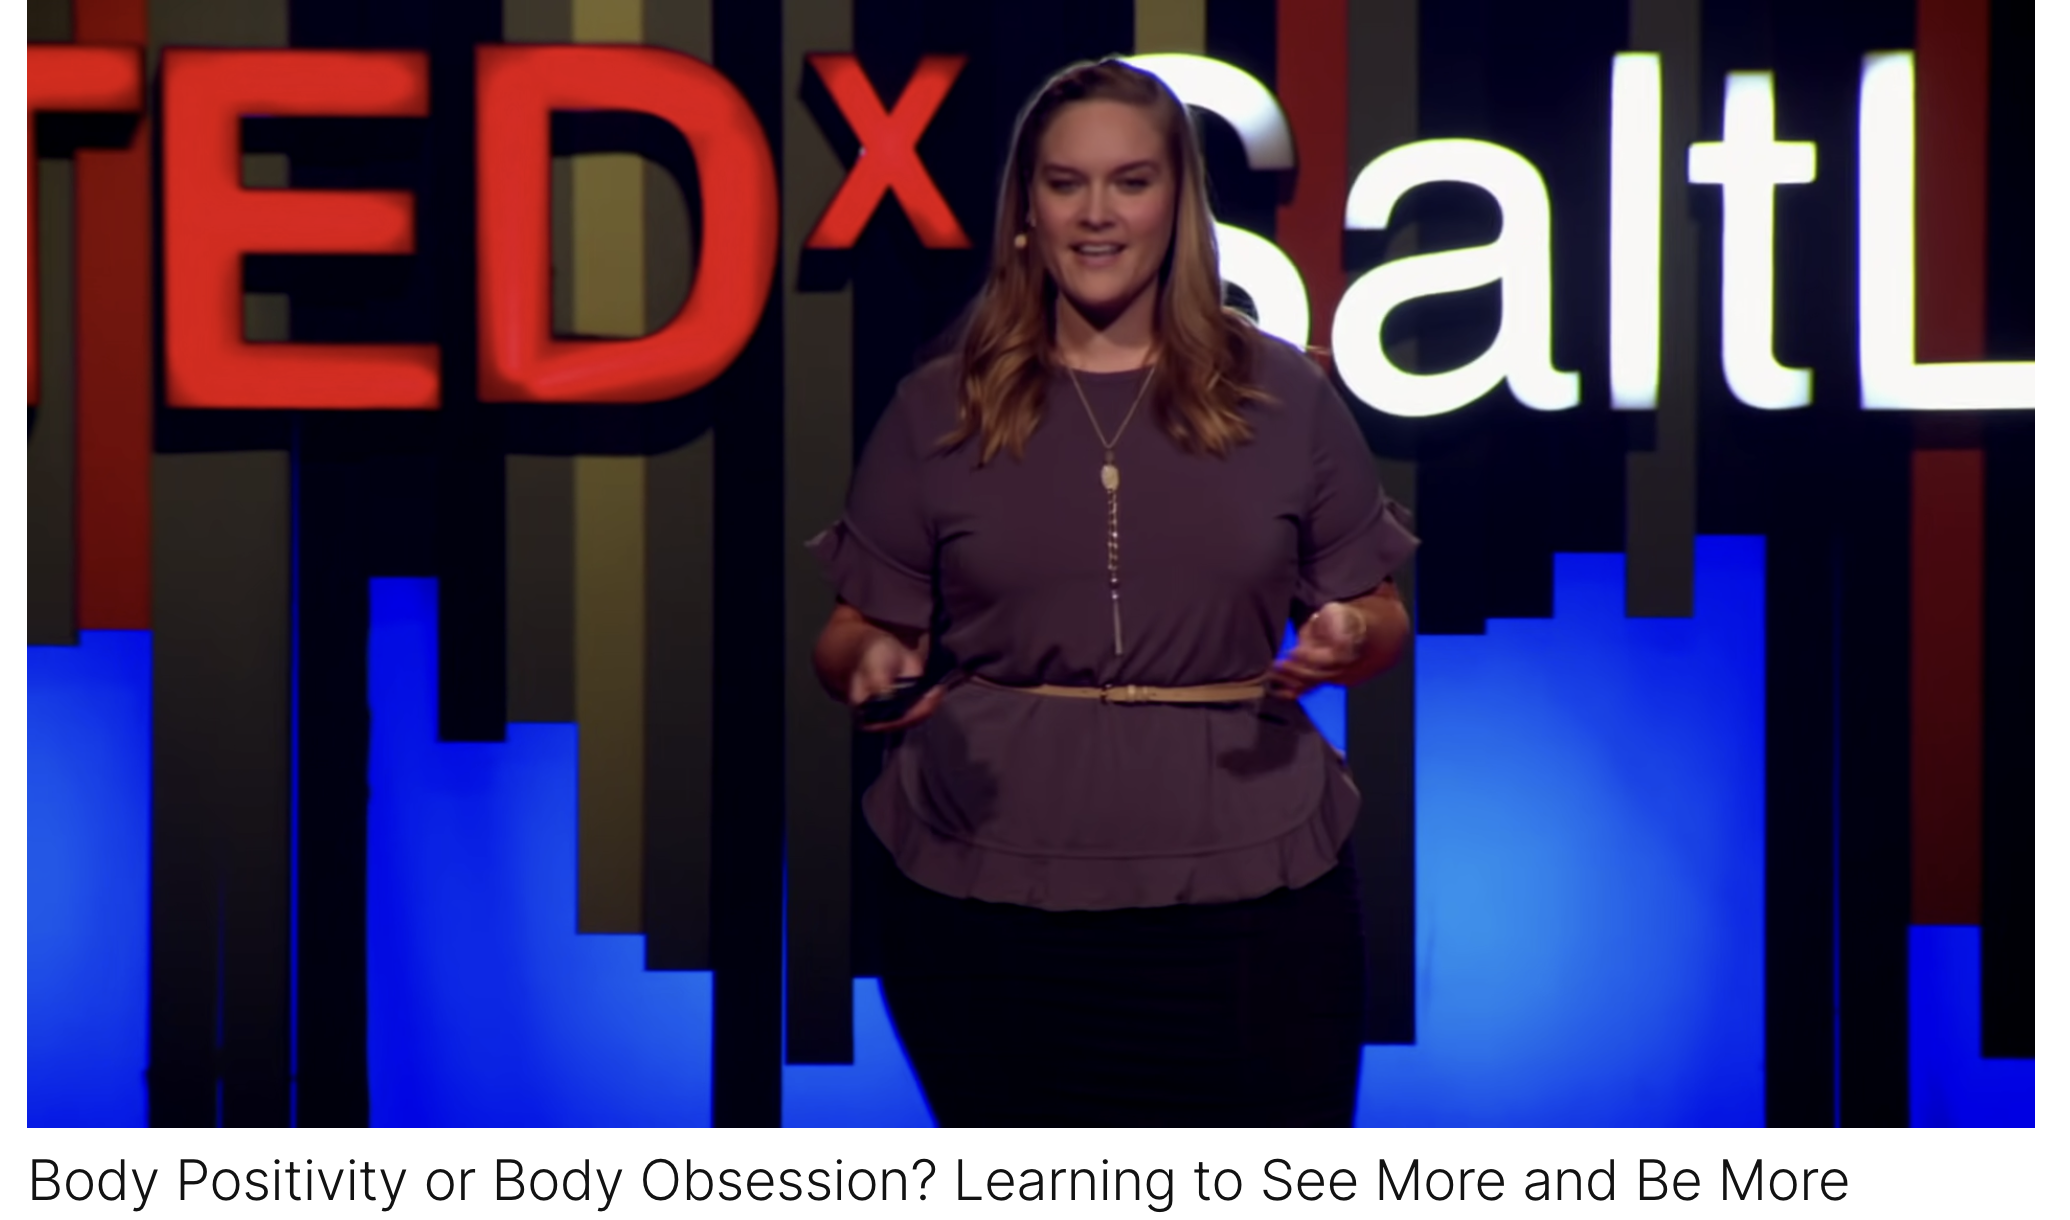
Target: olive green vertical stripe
{"points": [[539, 610], [679, 516], [222, 23], [536, 20], [1173, 26], [818, 430], [266, 317], [608, 21], [266, 313], [1382, 95], [539, 489], [563, 190], [264, 170], [610, 301], [54, 439], [686, 26], [220, 798], [610, 685], [553, 21], [1380, 716], [221, 711], [1660, 485]]}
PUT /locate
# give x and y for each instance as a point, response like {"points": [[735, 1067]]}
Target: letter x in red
{"points": [[890, 156]]}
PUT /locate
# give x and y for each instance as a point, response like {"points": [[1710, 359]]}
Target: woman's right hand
{"points": [[879, 664]]}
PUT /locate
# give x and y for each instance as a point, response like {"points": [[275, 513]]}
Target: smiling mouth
{"points": [[1096, 249]]}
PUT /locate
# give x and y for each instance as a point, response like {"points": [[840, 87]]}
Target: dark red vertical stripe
{"points": [[1314, 41], [114, 355], [1947, 685], [1953, 68], [1953, 49]]}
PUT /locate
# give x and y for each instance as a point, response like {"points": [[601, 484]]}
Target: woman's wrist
{"points": [[1360, 626]]}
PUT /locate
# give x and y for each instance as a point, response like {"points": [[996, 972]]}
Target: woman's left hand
{"points": [[1328, 647]]}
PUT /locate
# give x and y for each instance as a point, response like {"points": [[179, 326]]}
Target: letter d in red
{"points": [[518, 89]]}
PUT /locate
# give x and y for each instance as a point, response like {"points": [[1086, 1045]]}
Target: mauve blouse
{"points": [[1068, 804]]}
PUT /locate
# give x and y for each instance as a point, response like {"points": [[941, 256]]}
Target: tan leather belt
{"points": [[1213, 692]]}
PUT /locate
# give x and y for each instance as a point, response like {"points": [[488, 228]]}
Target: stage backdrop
{"points": [[430, 402]]}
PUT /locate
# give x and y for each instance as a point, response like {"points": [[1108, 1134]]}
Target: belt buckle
{"points": [[1128, 692]]}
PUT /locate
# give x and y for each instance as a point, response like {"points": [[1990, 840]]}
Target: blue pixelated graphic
{"points": [[877, 1090], [1953, 1085], [485, 1007], [1589, 898], [89, 864], [1589, 861]]}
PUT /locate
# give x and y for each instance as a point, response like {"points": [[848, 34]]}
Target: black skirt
{"points": [[1231, 1014]]}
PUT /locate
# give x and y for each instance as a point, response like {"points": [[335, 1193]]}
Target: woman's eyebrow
{"points": [[1052, 167]]}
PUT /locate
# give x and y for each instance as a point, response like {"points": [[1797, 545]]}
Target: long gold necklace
{"points": [[1110, 480]]}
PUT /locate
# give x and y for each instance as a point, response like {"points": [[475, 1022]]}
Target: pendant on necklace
{"points": [[1110, 477]]}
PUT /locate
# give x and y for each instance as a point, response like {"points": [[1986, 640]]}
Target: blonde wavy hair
{"points": [[1202, 348]]}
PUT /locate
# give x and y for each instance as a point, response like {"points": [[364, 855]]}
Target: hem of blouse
{"points": [[961, 869]]}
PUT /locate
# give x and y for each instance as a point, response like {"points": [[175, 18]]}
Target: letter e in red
{"points": [[212, 222]]}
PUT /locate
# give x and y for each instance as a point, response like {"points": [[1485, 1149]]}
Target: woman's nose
{"points": [[1099, 209]]}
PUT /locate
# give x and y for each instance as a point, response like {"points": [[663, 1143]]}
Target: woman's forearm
{"points": [[841, 643]]}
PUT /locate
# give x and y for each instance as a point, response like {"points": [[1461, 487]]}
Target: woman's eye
{"points": [[1134, 184]]}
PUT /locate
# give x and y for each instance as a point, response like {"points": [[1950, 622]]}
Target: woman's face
{"points": [[1102, 204]]}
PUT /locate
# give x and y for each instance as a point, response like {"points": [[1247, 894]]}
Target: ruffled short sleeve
{"points": [[879, 556], [1353, 537]]}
